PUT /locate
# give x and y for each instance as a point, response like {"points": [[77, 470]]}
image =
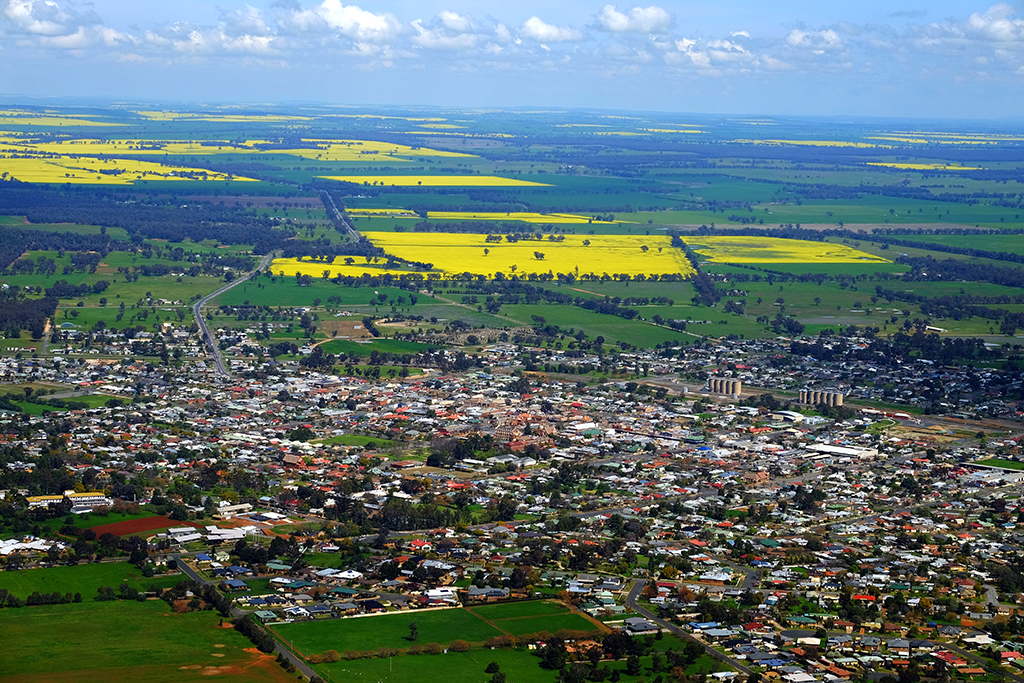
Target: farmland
{"points": [[84, 579], [453, 254], [392, 630], [127, 642], [761, 250], [453, 180], [465, 198]]}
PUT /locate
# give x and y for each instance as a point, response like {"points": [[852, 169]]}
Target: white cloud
{"points": [[454, 21], [817, 41], [194, 42], [40, 17], [535, 29], [728, 51], [651, 19], [359, 24], [997, 24], [248, 21], [247, 43], [440, 39], [78, 40]]}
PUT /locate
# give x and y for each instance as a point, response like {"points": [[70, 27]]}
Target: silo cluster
{"points": [[815, 397], [731, 387]]}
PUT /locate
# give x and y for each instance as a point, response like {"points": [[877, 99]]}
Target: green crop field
{"points": [[468, 667], [453, 667], [388, 630], [513, 610], [1003, 464], [127, 641], [83, 578]]}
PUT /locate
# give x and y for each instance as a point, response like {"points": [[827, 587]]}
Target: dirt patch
{"points": [[217, 654], [219, 645], [136, 526], [344, 328]]}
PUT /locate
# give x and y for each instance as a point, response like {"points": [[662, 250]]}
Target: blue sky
{"points": [[787, 57]]}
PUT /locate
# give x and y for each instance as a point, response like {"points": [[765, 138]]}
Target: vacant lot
{"points": [[116, 641], [83, 578], [132, 527]]}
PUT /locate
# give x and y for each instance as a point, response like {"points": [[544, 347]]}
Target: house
{"points": [[638, 626], [486, 594]]}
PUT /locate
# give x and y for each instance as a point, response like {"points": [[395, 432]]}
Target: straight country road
{"points": [[197, 311]]}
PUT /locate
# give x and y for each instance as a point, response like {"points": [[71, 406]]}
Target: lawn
{"points": [[551, 623], [389, 630], [90, 520], [83, 578], [468, 667], [1002, 464], [129, 642], [356, 440], [521, 618], [520, 666], [514, 610]]}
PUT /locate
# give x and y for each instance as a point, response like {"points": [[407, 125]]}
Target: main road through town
{"points": [[197, 311]]}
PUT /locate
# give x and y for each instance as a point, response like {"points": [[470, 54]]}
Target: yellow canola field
{"points": [[391, 213], [460, 135], [218, 118], [738, 249], [377, 116], [96, 147], [92, 171], [526, 217], [434, 180], [522, 216], [362, 150], [453, 254], [16, 118], [324, 150], [816, 143], [925, 167], [670, 130]]}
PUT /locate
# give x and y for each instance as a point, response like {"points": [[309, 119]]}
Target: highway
{"points": [[197, 311]]}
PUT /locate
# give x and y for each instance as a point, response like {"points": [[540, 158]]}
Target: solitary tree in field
{"points": [[538, 255], [486, 252], [414, 632]]}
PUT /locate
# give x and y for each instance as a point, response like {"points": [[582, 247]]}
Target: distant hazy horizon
{"points": [[937, 60]]}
